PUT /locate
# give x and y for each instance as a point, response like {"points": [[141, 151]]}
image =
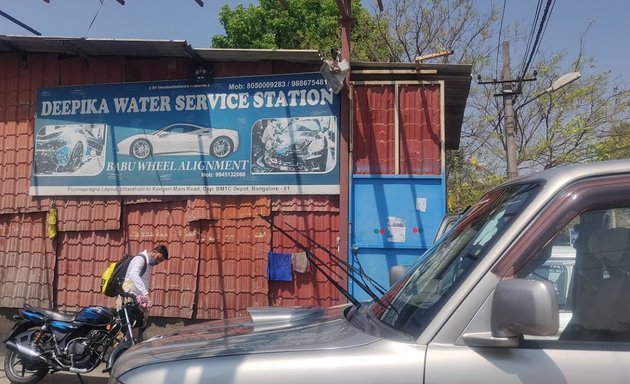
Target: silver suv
{"points": [[481, 306]]}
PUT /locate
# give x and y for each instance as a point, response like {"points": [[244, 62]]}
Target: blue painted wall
{"points": [[394, 220]]}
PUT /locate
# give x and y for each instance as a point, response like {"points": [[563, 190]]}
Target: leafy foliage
{"points": [[304, 24], [585, 121], [616, 145], [569, 125], [467, 181]]}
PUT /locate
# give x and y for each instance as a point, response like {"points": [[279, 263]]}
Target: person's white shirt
{"points": [[134, 282]]}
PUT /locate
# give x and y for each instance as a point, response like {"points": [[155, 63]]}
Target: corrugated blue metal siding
{"points": [[394, 218]]}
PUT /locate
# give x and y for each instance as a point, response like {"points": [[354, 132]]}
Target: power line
{"points": [[536, 42], [95, 15], [18, 22], [496, 64], [532, 33], [553, 4]]}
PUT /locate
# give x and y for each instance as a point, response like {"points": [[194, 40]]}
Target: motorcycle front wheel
{"points": [[19, 370]]}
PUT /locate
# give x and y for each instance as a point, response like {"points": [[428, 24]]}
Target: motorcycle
{"points": [[43, 341]]}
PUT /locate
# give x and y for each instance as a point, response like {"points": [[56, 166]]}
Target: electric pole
{"points": [[509, 93], [510, 130]]}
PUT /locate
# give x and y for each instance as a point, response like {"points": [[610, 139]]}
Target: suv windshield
{"points": [[408, 305]]}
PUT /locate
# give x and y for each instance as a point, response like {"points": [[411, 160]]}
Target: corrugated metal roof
{"points": [[27, 261], [317, 203], [456, 77], [374, 123], [308, 56], [173, 283], [419, 114], [232, 272], [88, 47], [218, 246], [82, 258], [93, 70], [18, 92], [217, 266], [226, 207], [312, 287], [88, 214]]}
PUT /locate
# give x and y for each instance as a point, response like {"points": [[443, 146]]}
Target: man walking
{"points": [[138, 277]]}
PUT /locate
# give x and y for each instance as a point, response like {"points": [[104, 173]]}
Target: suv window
{"points": [[588, 265], [408, 305], [558, 272]]}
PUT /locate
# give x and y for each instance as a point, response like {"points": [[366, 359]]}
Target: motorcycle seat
{"points": [[59, 316]]}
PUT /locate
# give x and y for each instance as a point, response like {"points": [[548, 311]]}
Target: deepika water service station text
{"points": [[189, 102]]}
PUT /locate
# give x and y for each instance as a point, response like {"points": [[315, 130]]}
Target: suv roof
{"points": [[561, 176]]}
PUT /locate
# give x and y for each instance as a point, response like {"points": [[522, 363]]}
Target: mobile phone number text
{"points": [[284, 84], [223, 174]]}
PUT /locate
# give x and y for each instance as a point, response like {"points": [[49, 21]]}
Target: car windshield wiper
{"points": [[344, 265], [340, 263], [348, 268], [314, 259]]}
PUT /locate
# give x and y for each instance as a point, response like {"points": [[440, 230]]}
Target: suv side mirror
{"points": [[524, 307], [519, 307]]}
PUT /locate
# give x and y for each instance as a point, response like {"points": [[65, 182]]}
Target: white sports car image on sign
{"points": [[181, 139]]}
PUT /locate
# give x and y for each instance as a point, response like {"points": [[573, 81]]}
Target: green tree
{"points": [[304, 24], [585, 121], [573, 124], [467, 180], [616, 145]]}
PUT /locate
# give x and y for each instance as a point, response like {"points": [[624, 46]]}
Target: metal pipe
{"points": [[19, 348], [129, 329]]}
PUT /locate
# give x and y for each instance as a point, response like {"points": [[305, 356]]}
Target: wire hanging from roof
{"points": [[94, 18]]}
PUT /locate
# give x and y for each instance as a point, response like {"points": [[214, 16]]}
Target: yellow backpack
{"points": [[114, 276]]}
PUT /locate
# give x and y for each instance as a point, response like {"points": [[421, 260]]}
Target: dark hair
{"points": [[161, 249]]}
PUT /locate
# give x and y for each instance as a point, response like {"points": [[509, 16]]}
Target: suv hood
{"points": [[265, 330]]}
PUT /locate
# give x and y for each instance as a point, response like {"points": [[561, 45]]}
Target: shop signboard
{"points": [[254, 135]]}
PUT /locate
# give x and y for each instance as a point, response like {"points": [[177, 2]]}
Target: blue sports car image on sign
{"points": [[71, 149]]}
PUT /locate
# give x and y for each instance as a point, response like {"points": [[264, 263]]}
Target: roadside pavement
{"points": [[94, 377]]}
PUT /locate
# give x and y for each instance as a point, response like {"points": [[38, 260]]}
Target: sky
{"points": [[186, 20]]}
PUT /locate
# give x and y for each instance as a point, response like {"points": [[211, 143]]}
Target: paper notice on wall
{"points": [[397, 228], [421, 204]]}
